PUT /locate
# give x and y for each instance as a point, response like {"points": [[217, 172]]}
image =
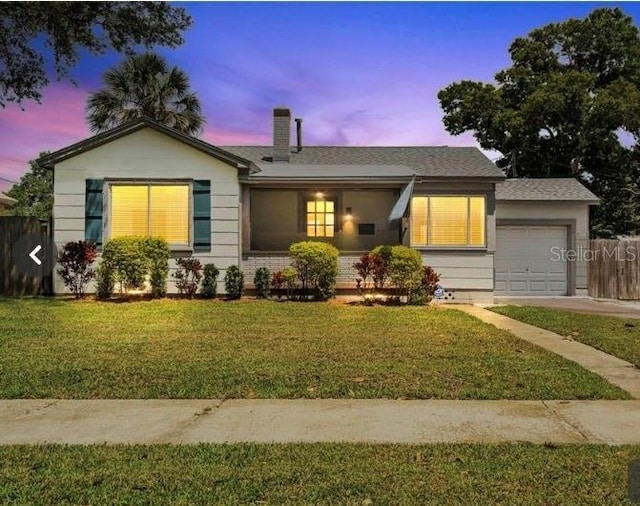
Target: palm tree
{"points": [[145, 85]]}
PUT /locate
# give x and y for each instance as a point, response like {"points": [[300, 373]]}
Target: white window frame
{"points": [[467, 246], [106, 209]]}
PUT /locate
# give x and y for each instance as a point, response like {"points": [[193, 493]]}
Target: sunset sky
{"points": [[358, 73]]}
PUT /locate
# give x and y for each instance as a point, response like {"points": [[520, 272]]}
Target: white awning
{"points": [[403, 201]]}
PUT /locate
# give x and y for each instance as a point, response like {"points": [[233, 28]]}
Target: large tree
{"points": [[34, 35], [145, 85], [34, 192], [568, 106]]}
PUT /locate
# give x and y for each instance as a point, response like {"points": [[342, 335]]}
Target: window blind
{"points": [[448, 221], [449, 224], [129, 210], [419, 215], [148, 209], [169, 213]]}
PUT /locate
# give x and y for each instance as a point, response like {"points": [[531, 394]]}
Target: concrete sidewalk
{"points": [[285, 421], [615, 370]]}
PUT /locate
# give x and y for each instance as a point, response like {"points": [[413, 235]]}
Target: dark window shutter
{"points": [[202, 215], [93, 211]]}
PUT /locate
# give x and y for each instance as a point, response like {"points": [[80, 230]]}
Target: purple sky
{"points": [[358, 73]]}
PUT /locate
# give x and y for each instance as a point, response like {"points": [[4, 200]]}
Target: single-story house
{"points": [[245, 205], [5, 203]]}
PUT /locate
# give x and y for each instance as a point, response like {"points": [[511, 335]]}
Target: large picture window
{"points": [[320, 218], [161, 210], [454, 221]]}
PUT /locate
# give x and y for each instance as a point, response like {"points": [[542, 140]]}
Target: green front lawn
{"points": [[213, 349], [315, 474], [617, 336]]}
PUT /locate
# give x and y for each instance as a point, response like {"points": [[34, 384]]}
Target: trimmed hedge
{"points": [[317, 267], [234, 282], [210, 281], [130, 261], [261, 282]]}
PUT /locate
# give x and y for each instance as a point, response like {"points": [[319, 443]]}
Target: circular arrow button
{"points": [[34, 255]]}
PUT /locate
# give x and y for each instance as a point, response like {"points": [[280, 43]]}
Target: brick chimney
{"points": [[281, 134]]}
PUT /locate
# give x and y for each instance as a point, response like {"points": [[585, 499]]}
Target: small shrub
{"points": [[364, 268], [317, 266], [423, 294], [372, 271], [105, 281], [290, 278], [157, 253], [429, 282], [234, 282], [187, 276], [405, 270], [277, 280], [210, 281], [76, 259], [132, 260], [286, 280], [381, 258], [261, 282], [124, 257]]}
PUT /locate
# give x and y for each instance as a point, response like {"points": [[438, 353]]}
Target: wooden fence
{"points": [[614, 269], [14, 283]]}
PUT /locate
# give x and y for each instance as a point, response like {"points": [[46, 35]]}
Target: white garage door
{"points": [[527, 261]]}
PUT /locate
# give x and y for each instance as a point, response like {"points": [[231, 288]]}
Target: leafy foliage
{"points": [[402, 267], [290, 277], [32, 30], [372, 268], [157, 253], [405, 270], [123, 258], [317, 266], [187, 276], [75, 261], [210, 281], [105, 281], [145, 85], [561, 109], [261, 282], [234, 282], [129, 261], [381, 262], [424, 293], [34, 192]]}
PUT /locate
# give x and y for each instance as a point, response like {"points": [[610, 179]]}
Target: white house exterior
{"points": [[244, 205]]}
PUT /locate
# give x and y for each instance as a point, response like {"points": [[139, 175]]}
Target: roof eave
{"points": [[5, 199], [257, 180], [48, 161], [573, 201], [485, 179]]}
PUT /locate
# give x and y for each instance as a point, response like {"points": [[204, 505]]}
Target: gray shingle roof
{"points": [[544, 189], [339, 172], [429, 161]]}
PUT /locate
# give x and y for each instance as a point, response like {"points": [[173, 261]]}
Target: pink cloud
{"points": [[222, 137], [55, 123]]}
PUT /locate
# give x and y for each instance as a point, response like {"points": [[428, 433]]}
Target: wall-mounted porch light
{"points": [[348, 214]]}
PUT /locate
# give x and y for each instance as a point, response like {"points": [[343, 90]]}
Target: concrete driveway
{"points": [[578, 304]]}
